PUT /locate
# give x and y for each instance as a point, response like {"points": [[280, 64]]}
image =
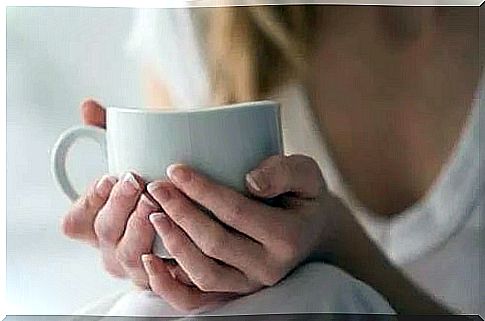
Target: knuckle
{"points": [[312, 167], [272, 165], [280, 161], [236, 213], [214, 245], [237, 210], [177, 211], [92, 200], [117, 198], [301, 163], [311, 163], [104, 231], [288, 167], [145, 206], [307, 165], [83, 204], [120, 200], [137, 222]]}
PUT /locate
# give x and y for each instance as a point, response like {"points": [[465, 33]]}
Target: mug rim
{"points": [[161, 110]]}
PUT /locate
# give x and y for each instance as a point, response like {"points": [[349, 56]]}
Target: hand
{"points": [[248, 245], [113, 216]]}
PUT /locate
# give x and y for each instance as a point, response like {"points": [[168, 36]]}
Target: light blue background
{"points": [[55, 58]]}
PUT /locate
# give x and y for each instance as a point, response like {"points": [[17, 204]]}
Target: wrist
{"points": [[352, 250], [344, 242], [335, 232]]}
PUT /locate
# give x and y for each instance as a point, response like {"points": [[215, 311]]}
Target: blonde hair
{"points": [[253, 50]]}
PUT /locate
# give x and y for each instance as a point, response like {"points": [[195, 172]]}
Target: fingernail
{"points": [[252, 183], [160, 222], [256, 181], [153, 186], [146, 202], [103, 187], [130, 184], [178, 174], [158, 191], [147, 261]]}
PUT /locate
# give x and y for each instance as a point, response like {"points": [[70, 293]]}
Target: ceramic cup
{"points": [[223, 142]]}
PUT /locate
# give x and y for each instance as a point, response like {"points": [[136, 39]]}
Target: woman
{"points": [[383, 103]]}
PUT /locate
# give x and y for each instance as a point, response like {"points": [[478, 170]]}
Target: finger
{"points": [[205, 273], [178, 295], [79, 222], [212, 238], [179, 274], [282, 174], [111, 263], [137, 240], [110, 223], [247, 216], [93, 113]]}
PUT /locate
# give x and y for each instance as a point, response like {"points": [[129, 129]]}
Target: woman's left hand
{"points": [[249, 244]]}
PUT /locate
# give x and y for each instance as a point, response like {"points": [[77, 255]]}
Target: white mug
{"points": [[222, 142]]}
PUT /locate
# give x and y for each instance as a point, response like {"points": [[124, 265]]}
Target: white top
{"points": [[437, 242]]}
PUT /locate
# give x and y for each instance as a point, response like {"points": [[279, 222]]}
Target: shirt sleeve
{"points": [[166, 39]]}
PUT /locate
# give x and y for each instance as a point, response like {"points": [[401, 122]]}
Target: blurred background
{"points": [[57, 56]]}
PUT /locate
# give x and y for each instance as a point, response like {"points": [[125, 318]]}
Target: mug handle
{"points": [[61, 149]]}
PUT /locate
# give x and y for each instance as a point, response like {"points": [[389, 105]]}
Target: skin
{"points": [[112, 216], [266, 242], [410, 106], [121, 217]]}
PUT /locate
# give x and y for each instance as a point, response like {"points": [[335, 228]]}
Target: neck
{"points": [[406, 108], [356, 70]]}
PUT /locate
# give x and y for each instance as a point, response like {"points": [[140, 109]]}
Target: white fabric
{"points": [[438, 242], [313, 288]]}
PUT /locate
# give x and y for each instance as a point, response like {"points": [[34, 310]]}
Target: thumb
{"points": [[279, 174], [93, 113]]}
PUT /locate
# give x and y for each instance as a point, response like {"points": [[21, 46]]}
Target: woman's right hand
{"points": [[113, 216]]}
